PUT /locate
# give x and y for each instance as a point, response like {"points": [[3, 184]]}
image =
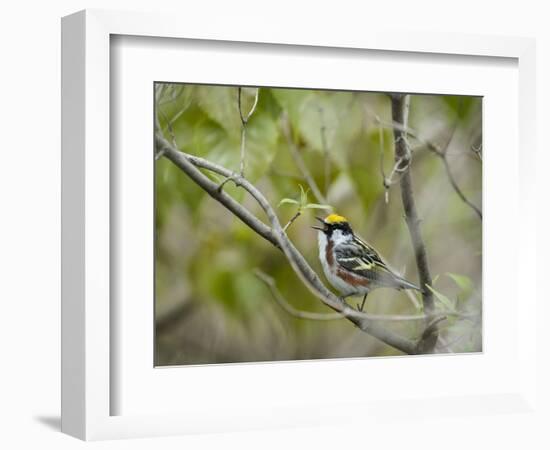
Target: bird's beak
{"points": [[320, 228]]}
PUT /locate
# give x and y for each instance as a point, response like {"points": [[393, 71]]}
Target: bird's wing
{"points": [[362, 259]]}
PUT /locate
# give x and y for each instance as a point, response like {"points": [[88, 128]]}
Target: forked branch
{"points": [[437, 150], [245, 117], [190, 165], [274, 233]]}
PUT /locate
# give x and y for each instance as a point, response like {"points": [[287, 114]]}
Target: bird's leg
{"points": [[362, 305]]}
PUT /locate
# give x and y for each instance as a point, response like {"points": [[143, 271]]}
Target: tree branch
{"points": [[276, 294], [457, 189], [189, 164], [438, 151], [244, 123], [279, 298], [399, 108], [292, 219]]}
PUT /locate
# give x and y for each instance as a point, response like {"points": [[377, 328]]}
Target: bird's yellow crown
{"points": [[335, 218]]}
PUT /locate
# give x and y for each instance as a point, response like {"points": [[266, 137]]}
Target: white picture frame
{"points": [[88, 386]]}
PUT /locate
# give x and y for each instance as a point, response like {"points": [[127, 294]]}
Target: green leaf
{"points": [[303, 196], [317, 206], [462, 281], [434, 279], [290, 201], [442, 298]]}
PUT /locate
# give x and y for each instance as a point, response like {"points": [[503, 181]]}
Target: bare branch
{"points": [[441, 152], [299, 161], [477, 152], [399, 108], [398, 167], [292, 219], [244, 122], [457, 189], [187, 164], [430, 336], [270, 282], [278, 238], [246, 117], [386, 181]]}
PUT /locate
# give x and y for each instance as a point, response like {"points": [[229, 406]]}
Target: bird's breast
{"points": [[326, 255]]}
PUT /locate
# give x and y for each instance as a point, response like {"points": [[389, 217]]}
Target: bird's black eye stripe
{"points": [[341, 226]]}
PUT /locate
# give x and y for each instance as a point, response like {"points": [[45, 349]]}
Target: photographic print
{"points": [[303, 224]]}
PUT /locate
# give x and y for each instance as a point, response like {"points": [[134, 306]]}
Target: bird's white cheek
{"points": [[322, 239]]}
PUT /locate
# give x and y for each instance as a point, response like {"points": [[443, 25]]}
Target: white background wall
{"points": [[30, 197]]}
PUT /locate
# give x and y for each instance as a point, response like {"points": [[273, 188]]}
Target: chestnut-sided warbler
{"points": [[351, 265]]}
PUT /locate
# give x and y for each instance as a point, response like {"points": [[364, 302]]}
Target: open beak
{"points": [[320, 228]]}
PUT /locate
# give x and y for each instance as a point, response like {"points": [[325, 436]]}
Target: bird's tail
{"points": [[404, 284]]}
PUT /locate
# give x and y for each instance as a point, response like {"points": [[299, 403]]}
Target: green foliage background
{"points": [[209, 305]]}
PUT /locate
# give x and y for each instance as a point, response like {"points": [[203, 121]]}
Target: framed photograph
{"points": [[266, 230]]}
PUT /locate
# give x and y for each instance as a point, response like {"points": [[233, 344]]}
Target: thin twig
{"points": [[457, 189], [299, 161], [169, 128], [275, 234], [243, 149], [292, 219], [385, 181], [477, 152], [244, 123], [461, 337], [185, 163], [398, 167], [381, 148], [443, 345], [270, 282], [441, 152], [277, 237], [430, 336]]}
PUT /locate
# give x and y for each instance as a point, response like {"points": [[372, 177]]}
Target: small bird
{"points": [[351, 265]]}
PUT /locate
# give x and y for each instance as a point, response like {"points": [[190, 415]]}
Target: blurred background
{"points": [[210, 307]]}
